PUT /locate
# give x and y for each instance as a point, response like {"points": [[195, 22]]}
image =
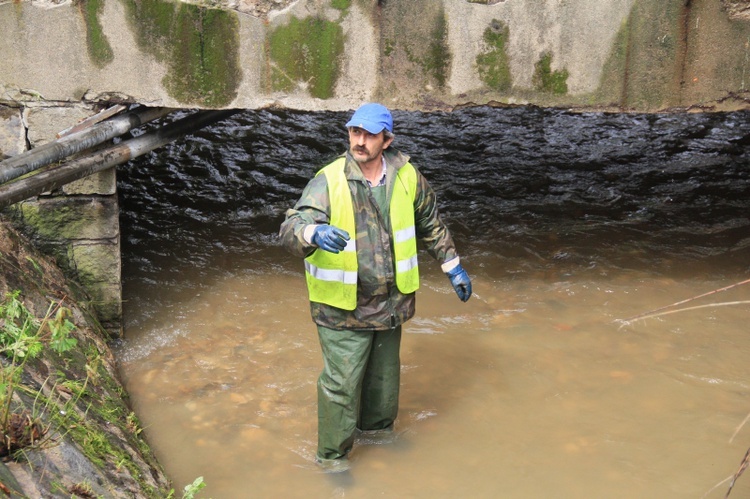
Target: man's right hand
{"points": [[330, 238]]}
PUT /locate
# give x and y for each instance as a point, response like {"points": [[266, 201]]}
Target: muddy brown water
{"points": [[567, 223]]}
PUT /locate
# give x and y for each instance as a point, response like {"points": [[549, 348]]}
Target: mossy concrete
{"points": [[99, 49], [493, 63], [198, 45], [82, 234], [306, 53], [416, 61], [644, 55], [77, 225], [547, 80]]}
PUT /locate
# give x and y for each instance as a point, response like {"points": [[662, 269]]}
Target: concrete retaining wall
{"points": [[412, 54]]}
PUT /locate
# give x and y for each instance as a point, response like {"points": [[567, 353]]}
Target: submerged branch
{"points": [[736, 431], [717, 486], [743, 465], [667, 312], [652, 313]]}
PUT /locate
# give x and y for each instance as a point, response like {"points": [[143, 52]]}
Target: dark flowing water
{"points": [[567, 222]]}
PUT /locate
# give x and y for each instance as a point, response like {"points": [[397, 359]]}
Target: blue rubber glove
{"points": [[460, 281], [330, 238]]}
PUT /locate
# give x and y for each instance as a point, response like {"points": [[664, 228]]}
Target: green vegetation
{"points": [[546, 80], [388, 47], [341, 4], [438, 59], [191, 490], [22, 339], [199, 45], [67, 404], [429, 52], [494, 64], [306, 53], [99, 48]]}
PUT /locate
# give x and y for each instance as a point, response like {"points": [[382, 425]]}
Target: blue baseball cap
{"points": [[372, 117]]}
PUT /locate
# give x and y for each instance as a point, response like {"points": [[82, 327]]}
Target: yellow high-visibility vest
{"points": [[332, 277]]}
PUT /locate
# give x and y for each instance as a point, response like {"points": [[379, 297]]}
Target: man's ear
{"points": [[387, 142]]}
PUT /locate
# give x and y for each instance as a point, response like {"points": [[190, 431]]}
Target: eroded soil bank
{"points": [[82, 439]]}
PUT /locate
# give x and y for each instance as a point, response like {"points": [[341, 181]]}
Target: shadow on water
{"points": [[566, 222]]}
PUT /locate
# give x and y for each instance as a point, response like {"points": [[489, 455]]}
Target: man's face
{"points": [[365, 146]]}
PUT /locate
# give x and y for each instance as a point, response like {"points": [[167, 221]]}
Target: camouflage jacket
{"points": [[380, 305]]}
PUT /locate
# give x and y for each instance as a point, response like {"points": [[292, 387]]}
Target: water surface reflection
{"points": [[567, 222]]}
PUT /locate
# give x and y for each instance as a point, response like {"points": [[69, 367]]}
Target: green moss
{"points": [[610, 89], [546, 80], [341, 4], [65, 222], [306, 51], [199, 45], [493, 64], [98, 46], [438, 58], [388, 47], [640, 68], [101, 448]]}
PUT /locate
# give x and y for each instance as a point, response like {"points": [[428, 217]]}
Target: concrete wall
{"points": [[642, 55]]}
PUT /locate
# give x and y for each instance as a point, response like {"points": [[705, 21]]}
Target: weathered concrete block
{"points": [[44, 123], [71, 219], [96, 262], [82, 234], [108, 306], [102, 183], [81, 228], [12, 132], [410, 54]]}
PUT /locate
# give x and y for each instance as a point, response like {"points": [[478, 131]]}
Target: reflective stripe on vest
{"points": [[332, 277]]}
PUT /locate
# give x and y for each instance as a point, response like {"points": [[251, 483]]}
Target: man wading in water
{"points": [[357, 224]]}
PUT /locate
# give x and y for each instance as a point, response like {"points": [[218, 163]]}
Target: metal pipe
{"points": [[57, 176], [56, 150]]}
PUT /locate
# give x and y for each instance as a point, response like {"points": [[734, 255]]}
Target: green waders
{"points": [[358, 388]]}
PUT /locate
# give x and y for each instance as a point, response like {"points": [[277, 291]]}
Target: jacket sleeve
{"points": [[312, 208], [430, 227]]}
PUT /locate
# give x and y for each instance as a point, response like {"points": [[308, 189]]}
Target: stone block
{"points": [[96, 266], [72, 218], [45, 123], [12, 132], [102, 183], [107, 303], [96, 262]]}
